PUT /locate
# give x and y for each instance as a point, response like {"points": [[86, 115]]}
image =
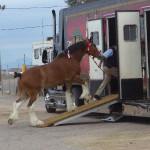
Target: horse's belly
{"points": [[49, 83]]}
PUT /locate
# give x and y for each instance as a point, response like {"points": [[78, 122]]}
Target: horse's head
{"points": [[91, 48]]}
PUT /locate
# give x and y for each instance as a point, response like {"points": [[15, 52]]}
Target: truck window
{"points": [[36, 53], [130, 32]]}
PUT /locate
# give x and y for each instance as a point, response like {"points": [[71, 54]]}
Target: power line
{"points": [[23, 28], [44, 7], [27, 8]]}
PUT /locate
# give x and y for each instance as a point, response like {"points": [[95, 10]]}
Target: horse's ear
{"points": [[91, 39]]}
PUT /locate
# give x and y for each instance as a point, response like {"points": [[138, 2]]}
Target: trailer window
{"points": [[130, 32], [95, 36], [36, 54]]}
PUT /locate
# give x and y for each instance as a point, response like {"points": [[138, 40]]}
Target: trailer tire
{"points": [[49, 109], [77, 91]]}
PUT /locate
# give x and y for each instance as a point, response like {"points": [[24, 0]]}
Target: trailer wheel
{"points": [[49, 109], [77, 91]]}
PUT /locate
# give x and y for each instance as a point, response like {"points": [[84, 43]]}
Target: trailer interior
{"points": [[111, 41], [147, 48]]}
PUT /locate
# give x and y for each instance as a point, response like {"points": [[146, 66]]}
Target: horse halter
{"points": [[68, 54], [89, 44], [88, 49]]}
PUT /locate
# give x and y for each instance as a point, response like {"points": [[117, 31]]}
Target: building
{"points": [[38, 48]]}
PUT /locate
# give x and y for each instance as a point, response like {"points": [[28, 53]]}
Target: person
{"points": [[109, 57]]}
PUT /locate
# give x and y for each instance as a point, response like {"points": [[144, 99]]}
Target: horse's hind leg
{"points": [[14, 115], [69, 98], [33, 118]]}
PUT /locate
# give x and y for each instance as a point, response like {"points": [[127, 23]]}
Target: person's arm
{"points": [[99, 56], [104, 56]]}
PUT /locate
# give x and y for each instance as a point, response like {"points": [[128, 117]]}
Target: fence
{"points": [[8, 84]]}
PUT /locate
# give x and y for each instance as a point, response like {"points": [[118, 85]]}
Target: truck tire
{"points": [[49, 109], [77, 91]]}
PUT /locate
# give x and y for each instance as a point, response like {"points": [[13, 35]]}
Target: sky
{"points": [[21, 24]]}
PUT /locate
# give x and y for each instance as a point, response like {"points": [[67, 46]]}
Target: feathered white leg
{"points": [[69, 101], [33, 118], [85, 94], [14, 115]]}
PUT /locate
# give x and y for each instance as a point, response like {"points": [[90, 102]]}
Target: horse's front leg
{"points": [[86, 93], [69, 98], [85, 88]]}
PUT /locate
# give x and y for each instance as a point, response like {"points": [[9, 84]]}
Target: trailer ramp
{"points": [[81, 111]]}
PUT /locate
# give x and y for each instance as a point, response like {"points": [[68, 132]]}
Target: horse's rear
{"points": [[28, 87]]}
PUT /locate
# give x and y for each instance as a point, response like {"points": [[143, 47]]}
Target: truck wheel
{"points": [[77, 91], [49, 109]]}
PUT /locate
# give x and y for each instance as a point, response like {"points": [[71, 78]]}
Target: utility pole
{"points": [[24, 59], [24, 65], [1, 9], [0, 72]]}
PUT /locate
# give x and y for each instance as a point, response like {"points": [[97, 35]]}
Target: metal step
{"points": [[112, 118]]}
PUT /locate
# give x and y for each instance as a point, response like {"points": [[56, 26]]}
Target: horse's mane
{"points": [[72, 48], [76, 46]]}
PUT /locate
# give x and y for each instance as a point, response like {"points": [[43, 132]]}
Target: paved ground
{"points": [[85, 133]]}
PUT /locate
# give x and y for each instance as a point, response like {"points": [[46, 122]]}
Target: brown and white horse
{"points": [[64, 69]]}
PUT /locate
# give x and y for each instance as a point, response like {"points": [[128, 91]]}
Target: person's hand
{"points": [[100, 64], [101, 61]]}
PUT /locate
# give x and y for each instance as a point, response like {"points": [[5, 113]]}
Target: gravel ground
{"points": [[84, 133]]}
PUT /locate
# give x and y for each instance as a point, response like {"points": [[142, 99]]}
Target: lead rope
{"points": [[99, 66], [68, 52], [88, 101]]}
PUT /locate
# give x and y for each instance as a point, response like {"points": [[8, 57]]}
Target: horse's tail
{"points": [[20, 89], [17, 74]]}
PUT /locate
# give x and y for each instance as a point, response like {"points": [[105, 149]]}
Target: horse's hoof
{"points": [[41, 125], [10, 121], [86, 102], [73, 108], [37, 123], [70, 110], [87, 97]]}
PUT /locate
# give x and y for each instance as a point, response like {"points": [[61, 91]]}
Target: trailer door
{"points": [[129, 54], [94, 29], [110, 30], [147, 47]]}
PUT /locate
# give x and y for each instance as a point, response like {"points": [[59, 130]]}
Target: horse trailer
{"points": [[125, 24]]}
